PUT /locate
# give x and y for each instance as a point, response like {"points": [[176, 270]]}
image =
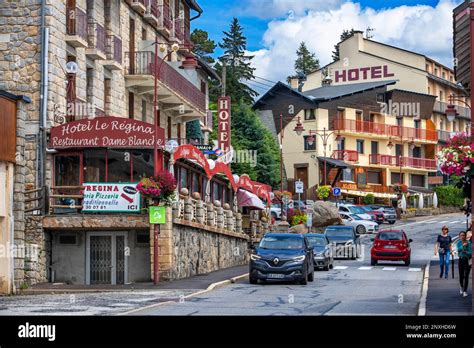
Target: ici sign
{"points": [[223, 128], [366, 73]]}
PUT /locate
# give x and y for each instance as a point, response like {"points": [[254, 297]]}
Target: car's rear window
{"points": [[317, 241], [281, 242], [390, 236], [339, 232]]}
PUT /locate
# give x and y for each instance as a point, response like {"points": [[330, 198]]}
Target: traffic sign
{"points": [[299, 187], [309, 220], [203, 147], [336, 191]]}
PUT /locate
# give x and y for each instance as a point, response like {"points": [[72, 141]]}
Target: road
{"points": [[351, 288]]}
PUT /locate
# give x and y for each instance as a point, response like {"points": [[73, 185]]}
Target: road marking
{"points": [[414, 270], [443, 222], [389, 268], [365, 268], [413, 223], [455, 222], [340, 267]]}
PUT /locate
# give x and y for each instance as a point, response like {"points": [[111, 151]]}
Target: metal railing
{"points": [[76, 22], [37, 201], [152, 8], [346, 155], [384, 129], [441, 107], [394, 161], [143, 63], [65, 199]]}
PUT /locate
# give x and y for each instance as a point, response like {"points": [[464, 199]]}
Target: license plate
{"points": [[276, 276], [389, 247]]}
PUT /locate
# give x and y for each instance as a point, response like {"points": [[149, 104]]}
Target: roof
{"points": [[446, 82], [12, 96], [335, 162], [333, 92], [273, 90], [208, 69], [194, 5]]}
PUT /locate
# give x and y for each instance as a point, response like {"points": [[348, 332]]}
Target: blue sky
{"points": [[274, 28]]}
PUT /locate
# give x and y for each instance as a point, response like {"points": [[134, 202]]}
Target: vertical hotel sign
{"points": [[223, 128]]}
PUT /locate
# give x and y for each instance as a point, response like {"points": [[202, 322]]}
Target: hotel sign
{"points": [[111, 197], [362, 74], [223, 127], [111, 132]]}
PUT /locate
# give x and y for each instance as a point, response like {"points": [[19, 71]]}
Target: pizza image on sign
{"points": [[111, 197]]}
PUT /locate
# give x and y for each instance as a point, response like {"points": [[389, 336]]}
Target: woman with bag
{"points": [[464, 249], [444, 248]]}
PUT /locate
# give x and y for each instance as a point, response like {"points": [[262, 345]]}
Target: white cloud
{"points": [[423, 29]]}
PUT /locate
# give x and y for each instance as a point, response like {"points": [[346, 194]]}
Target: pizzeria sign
{"points": [[111, 197]]}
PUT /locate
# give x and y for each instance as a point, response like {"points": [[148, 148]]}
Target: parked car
{"points": [[323, 258], [389, 213], [345, 241], [282, 256], [361, 226], [391, 245], [353, 209], [377, 215], [275, 211]]}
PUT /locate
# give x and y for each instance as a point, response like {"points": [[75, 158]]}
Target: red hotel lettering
{"points": [[365, 73], [223, 136]]}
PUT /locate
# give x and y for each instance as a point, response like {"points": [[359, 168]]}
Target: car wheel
{"points": [[253, 280], [391, 222], [304, 279], [331, 266], [407, 262], [373, 262], [326, 268], [311, 277], [360, 229]]}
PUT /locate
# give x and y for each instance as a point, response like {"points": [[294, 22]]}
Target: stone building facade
{"points": [[83, 59]]}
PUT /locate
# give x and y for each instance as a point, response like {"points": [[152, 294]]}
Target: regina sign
{"points": [[112, 132]]}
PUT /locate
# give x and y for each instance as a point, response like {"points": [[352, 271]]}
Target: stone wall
{"points": [[37, 245]]}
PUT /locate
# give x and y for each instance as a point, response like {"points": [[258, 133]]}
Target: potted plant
{"points": [[158, 189]]}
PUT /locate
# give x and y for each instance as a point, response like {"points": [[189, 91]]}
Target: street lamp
{"points": [[188, 63]]}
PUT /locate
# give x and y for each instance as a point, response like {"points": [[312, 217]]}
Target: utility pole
{"points": [[224, 76]]}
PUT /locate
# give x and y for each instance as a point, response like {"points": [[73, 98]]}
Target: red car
{"points": [[391, 245], [377, 216]]}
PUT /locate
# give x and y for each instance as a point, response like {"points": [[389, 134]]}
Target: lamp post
{"points": [[324, 134], [281, 164], [188, 63]]}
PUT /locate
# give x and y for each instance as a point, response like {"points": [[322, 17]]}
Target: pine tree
{"points": [[203, 46], [193, 130], [345, 35], [306, 61], [239, 68]]}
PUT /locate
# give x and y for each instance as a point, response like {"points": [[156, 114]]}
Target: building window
{"points": [[143, 110], [373, 177], [107, 96], [309, 114], [131, 105], [427, 68], [196, 183], [398, 150], [142, 237], [144, 34], [400, 121], [436, 71], [70, 239], [360, 146], [348, 174], [309, 146], [418, 180], [395, 178], [375, 147], [441, 96], [444, 75]]}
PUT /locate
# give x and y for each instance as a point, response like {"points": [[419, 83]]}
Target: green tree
{"points": [[345, 35], [306, 61], [238, 66], [203, 46], [369, 199], [193, 130]]}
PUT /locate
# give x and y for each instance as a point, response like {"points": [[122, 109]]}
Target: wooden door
{"points": [[302, 174]]}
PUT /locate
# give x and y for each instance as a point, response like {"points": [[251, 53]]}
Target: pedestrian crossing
{"points": [[383, 268]]}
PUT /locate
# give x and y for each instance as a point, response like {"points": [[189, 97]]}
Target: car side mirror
{"points": [[410, 240], [372, 239]]}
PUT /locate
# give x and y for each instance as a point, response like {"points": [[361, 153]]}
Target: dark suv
{"points": [[346, 242], [282, 256]]}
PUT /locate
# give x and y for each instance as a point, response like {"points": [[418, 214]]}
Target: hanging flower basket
{"points": [[158, 190]]}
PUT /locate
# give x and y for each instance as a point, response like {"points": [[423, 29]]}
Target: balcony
{"points": [[346, 155], [152, 13], [411, 162], [96, 49], [445, 136], [76, 27], [165, 21], [173, 88], [385, 130], [114, 53], [376, 188], [139, 5], [440, 107]]}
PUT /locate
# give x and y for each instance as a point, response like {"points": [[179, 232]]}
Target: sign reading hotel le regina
{"points": [[109, 131], [111, 197]]}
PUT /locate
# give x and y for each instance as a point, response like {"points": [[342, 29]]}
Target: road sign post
{"points": [[336, 192], [299, 189]]}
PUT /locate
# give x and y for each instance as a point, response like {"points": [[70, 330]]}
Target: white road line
{"points": [[455, 222], [414, 270], [389, 268], [340, 267], [365, 268], [443, 222], [414, 223]]}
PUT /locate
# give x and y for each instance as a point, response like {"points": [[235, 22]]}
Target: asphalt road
{"points": [[351, 288]]}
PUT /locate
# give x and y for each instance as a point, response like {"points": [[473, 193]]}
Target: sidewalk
{"points": [[443, 294], [198, 282]]}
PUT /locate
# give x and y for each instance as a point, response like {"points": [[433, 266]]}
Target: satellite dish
{"points": [[171, 145], [72, 68]]}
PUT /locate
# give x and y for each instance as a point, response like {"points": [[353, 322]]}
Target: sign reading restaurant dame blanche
{"points": [[109, 131], [111, 197]]}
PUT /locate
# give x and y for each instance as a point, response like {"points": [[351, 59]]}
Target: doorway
{"points": [[106, 261]]}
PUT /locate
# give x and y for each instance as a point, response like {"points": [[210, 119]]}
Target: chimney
{"points": [[294, 82]]}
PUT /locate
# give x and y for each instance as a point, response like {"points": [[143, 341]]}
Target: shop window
{"points": [[309, 114], [94, 165], [373, 177], [196, 183], [418, 180], [183, 177], [348, 174], [67, 170], [119, 165], [395, 178], [204, 185], [142, 164], [216, 191]]}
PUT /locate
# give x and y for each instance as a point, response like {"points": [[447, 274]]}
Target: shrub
{"points": [[300, 218], [324, 191], [369, 199], [449, 195]]}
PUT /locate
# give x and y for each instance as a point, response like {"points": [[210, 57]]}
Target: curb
{"points": [[211, 287], [424, 291]]}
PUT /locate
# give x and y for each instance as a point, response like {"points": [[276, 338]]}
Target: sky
{"points": [[275, 28]]}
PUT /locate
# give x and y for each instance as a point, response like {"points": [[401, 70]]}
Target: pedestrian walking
{"points": [[444, 249], [464, 250]]}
